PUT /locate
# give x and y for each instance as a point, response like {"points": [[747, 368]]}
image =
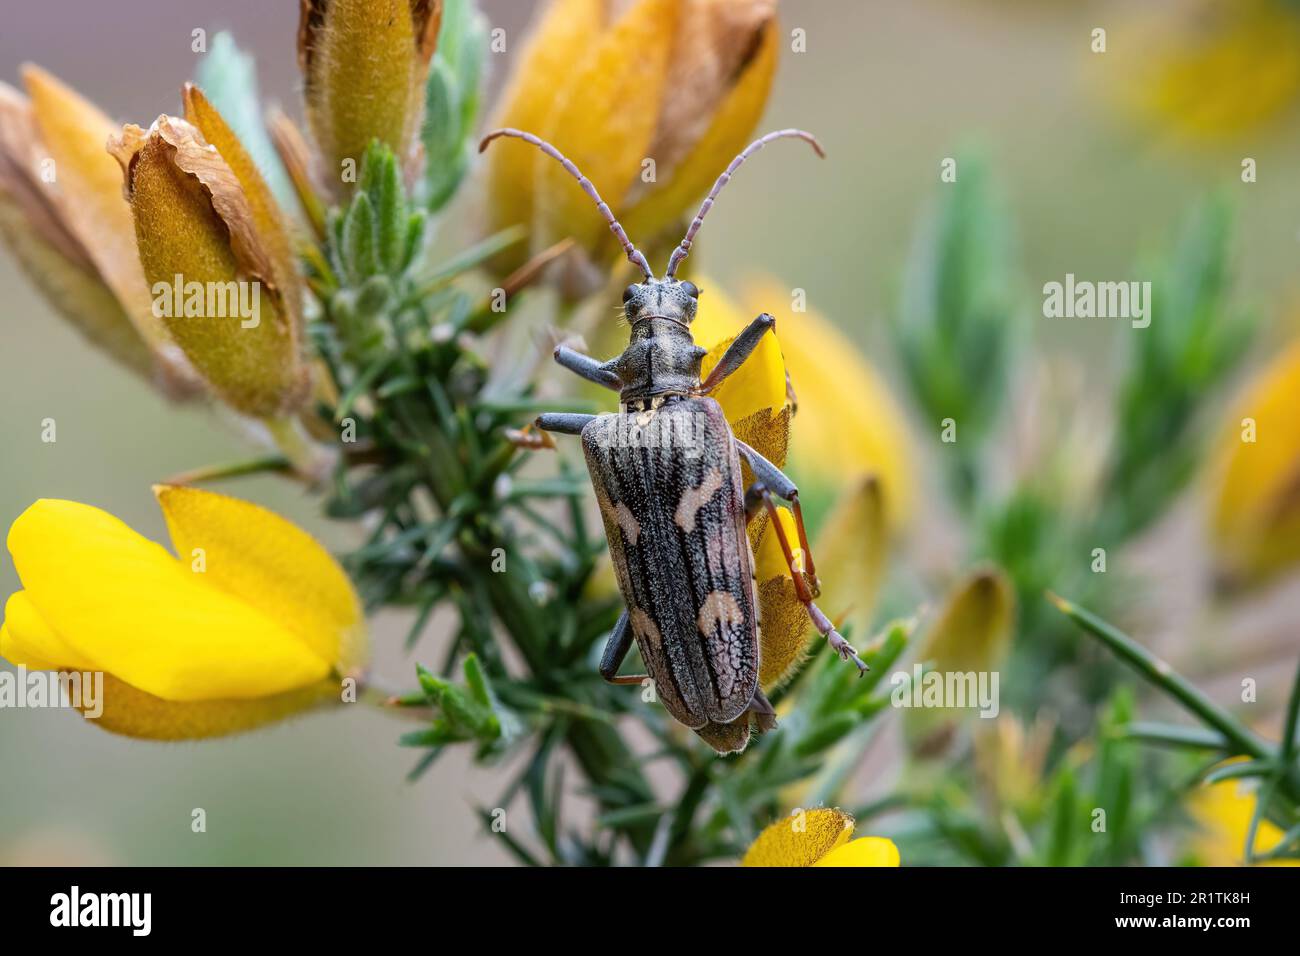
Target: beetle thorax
{"points": [[661, 357]]}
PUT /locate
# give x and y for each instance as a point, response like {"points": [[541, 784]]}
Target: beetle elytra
{"points": [[666, 472]]}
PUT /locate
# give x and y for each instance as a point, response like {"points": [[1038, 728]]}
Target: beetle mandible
{"points": [[667, 477]]}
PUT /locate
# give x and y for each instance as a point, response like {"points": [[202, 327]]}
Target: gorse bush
{"points": [[285, 273]]}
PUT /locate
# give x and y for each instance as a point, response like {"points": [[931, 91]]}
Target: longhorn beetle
{"points": [[666, 471]]}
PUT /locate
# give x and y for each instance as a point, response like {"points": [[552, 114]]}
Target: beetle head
{"points": [[672, 299]]}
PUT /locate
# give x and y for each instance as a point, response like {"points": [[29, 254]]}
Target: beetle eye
{"points": [[629, 292], [691, 289]]}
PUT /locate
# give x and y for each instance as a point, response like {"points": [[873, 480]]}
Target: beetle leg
{"points": [[565, 423], [820, 621], [616, 649], [530, 437], [763, 711], [584, 365], [535, 437], [776, 481], [741, 348]]}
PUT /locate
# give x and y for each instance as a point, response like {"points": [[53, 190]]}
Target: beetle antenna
{"points": [[684, 249], [633, 254]]}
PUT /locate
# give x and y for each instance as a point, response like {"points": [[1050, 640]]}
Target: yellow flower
{"points": [[848, 423], [850, 553], [851, 549], [971, 635], [63, 216], [754, 396], [217, 257], [785, 625], [253, 622], [364, 65], [818, 837], [1223, 812], [1224, 67], [1255, 519], [650, 98], [854, 539], [973, 631]]}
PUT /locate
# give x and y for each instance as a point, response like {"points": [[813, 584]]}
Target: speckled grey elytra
{"points": [[666, 472]]}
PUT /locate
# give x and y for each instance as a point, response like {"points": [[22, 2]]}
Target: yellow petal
{"points": [[971, 635], [124, 604], [272, 565], [973, 631], [753, 397], [556, 43], [605, 115], [296, 157], [847, 423], [679, 184], [364, 63], [864, 851], [193, 220], [1221, 69], [89, 198], [23, 158], [26, 640], [1256, 509], [268, 220], [717, 43], [76, 292], [800, 840], [784, 626], [769, 557], [134, 713], [784, 637], [759, 383], [850, 552], [768, 434]]}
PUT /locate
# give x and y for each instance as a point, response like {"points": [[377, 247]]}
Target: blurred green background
{"points": [[890, 88]]}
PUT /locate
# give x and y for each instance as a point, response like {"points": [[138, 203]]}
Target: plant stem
{"points": [[235, 469], [1160, 673], [308, 458]]}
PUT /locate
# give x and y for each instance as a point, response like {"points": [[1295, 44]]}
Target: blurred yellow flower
{"points": [[650, 98], [1217, 68], [1010, 758], [217, 257], [364, 64], [253, 622], [1255, 517], [973, 631], [63, 216], [971, 636], [1223, 812], [818, 837], [852, 547]]}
